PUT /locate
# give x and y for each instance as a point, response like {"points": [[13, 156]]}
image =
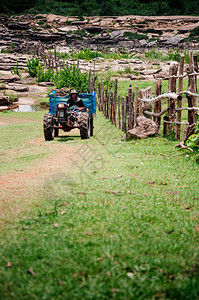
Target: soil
{"points": [[19, 189]]}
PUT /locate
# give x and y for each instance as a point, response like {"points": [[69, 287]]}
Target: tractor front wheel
{"points": [[49, 132], [84, 125]]}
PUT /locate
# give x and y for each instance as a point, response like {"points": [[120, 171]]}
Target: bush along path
{"points": [[120, 222]]}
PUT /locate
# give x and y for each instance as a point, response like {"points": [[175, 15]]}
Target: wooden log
{"points": [[131, 108], [149, 113], [175, 122], [192, 101], [171, 102], [115, 103], [187, 108], [102, 98], [136, 111], [111, 105], [157, 105], [99, 95], [94, 78], [106, 101], [195, 62], [174, 96], [165, 129], [126, 114], [123, 109], [119, 117], [179, 101]]}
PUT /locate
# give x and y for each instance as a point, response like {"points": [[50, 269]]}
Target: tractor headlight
{"points": [[61, 105]]}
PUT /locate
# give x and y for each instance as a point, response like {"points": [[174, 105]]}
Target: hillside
{"points": [[124, 33]]}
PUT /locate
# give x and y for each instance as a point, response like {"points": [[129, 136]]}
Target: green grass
{"points": [[88, 54], [125, 224], [16, 147]]}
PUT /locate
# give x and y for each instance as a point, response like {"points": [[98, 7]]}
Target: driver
{"points": [[74, 99]]}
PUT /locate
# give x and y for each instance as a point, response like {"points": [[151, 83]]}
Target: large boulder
{"points": [[144, 127]]}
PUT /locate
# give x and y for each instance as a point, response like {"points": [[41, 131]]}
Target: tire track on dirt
{"points": [[21, 187]]}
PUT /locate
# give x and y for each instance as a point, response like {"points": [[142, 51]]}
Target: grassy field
{"points": [[120, 222]]}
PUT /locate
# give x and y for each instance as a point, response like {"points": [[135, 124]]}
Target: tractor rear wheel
{"points": [[49, 132], [84, 125]]}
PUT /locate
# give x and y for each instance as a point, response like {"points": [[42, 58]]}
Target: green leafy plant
{"points": [[71, 77], [41, 22], [128, 70], [32, 65], [193, 142], [43, 75], [4, 50], [15, 70], [11, 95]]}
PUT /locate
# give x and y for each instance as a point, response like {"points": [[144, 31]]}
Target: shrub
{"points": [[193, 142], [16, 70], [72, 77], [43, 75], [41, 22], [32, 65]]}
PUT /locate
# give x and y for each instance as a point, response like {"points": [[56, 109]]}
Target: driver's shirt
{"points": [[78, 102]]}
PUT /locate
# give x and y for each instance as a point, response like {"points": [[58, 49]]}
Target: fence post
{"points": [[115, 104], [111, 104], [136, 111], [119, 119], [131, 109], [192, 102], [99, 95], [123, 109], [171, 102], [106, 102], [195, 61], [179, 102], [126, 113], [157, 105], [102, 97]]}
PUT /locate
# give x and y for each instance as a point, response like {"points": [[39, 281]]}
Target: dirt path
{"points": [[21, 186]]}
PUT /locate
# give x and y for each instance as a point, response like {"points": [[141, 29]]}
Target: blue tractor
{"points": [[61, 116]]}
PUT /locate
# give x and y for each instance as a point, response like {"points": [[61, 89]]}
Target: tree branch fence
{"points": [[123, 111]]}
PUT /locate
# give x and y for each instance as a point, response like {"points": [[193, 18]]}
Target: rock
{"points": [[144, 128], [173, 41], [18, 88], [4, 100], [143, 43], [67, 28], [10, 78], [117, 33], [18, 25], [46, 84]]}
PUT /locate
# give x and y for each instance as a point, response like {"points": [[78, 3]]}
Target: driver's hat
{"points": [[73, 92]]}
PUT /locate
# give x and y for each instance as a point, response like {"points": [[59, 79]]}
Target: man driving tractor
{"points": [[74, 99]]}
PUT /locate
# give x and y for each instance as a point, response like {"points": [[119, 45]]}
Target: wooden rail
{"points": [[123, 111]]}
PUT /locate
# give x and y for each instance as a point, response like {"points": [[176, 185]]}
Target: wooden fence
{"points": [[123, 111]]}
